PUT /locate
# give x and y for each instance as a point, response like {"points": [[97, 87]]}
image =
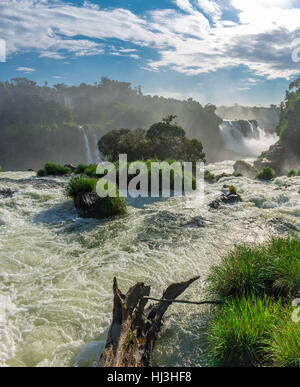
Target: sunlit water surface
{"points": [[56, 269]]}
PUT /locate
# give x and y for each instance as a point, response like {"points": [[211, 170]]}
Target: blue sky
{"points": [[222, 51]]}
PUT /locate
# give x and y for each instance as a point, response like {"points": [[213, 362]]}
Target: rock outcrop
{"points": [[241, 167]]}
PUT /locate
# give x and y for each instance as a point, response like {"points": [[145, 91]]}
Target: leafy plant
{"points": [[266, 174]]}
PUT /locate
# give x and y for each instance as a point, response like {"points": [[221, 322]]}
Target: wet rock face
{"points": [[278, 158], [85, 203], [241, 167], [169, 220], [231, 198]]}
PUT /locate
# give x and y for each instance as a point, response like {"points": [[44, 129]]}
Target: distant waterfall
{"points": [[88, 152], [91, 152], [246, 137], [96, 150]]}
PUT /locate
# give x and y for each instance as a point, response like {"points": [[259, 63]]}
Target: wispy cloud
{"points": [[26, 70], [200, 36]]}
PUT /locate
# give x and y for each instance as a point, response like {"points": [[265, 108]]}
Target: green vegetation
{"points": [[291, 173], [79, 184], [284, 342], [254, 326], [35, 127], [289, 115], [273, 269], [53, 170], [38, 127], [41, 173], [232, 189], [209, 177], [238, 333], [108, 206], [0, 168], [90, 171], [266, 174], [102, 207], [163, 140]]}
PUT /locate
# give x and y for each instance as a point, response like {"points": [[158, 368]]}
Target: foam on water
{"points": [[57, 269]]}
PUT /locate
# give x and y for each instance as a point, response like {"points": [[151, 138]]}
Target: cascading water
{"points": [[96, 150], [88, 152], [92, 155], [246, 137], [56, 270]]}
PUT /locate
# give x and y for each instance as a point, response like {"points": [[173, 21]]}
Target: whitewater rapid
{"points": [[56, 269]]}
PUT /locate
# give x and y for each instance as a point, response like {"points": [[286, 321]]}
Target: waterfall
{"points": [[88, 152], [96, 150], [246, 137], [92, 152]]}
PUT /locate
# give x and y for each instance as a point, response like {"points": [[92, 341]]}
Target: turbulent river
{"points": [[56, 269]]}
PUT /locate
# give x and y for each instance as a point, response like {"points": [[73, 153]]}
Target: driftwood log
{"points": [[134, 329]]}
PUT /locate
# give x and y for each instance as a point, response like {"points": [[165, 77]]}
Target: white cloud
{"points": [[26, 70], [195, 38]]}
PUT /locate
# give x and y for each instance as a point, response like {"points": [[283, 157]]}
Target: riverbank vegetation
{"points": [[52, 169], [266, 174], [254, 326], [163, 140]]}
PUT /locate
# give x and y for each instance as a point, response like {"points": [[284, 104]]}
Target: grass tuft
{"points": [[272, 269]]}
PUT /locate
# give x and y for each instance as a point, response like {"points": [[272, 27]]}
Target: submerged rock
{"points": [[7, 193], [231, 198], [170, 220]]}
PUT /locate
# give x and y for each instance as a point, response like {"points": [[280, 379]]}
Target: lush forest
{"points": [[41, 123], [288, 127], [34, 130], [163, 140]]}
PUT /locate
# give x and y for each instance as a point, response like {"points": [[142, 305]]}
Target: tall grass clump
{"points": [[239, 334], [80, 184], [272, 269], [56, 169], [266, 174], [284, 341]]}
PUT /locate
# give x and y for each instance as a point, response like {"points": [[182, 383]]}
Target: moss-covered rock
{"points": [[245, 169]]}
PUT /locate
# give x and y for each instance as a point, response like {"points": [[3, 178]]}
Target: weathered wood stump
{"points": [[134, 329]]}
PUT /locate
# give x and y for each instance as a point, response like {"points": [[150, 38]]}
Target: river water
{"points": [[56, 270]]}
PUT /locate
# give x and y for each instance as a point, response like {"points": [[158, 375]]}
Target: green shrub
{"points": [[284, 342], [80, 184], [208, 176], [272, 269], [298, 172], [232, 189], [0, 168], [266, 174], [239, 333], [56, 169], [41, 173], [106, 207], [291, 173], [80, 169], [239, 175]]}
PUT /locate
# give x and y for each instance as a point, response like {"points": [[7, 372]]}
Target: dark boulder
{"points": [[7, 193], [231, 198]]}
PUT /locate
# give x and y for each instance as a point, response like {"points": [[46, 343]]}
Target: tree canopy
{"points": [[163, 140]]}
